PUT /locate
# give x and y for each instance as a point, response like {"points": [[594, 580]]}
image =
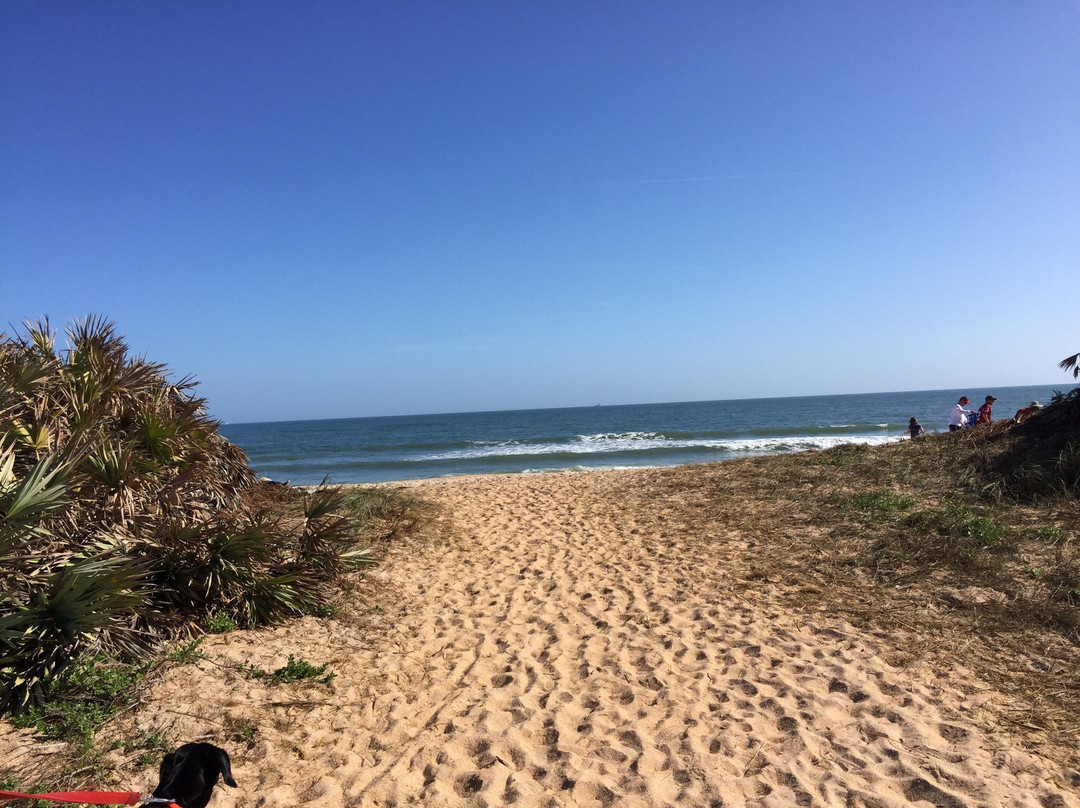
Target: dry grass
{"points": [[929, 543]]}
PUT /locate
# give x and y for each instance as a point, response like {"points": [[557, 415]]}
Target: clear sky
{"points": [[376, 208]]}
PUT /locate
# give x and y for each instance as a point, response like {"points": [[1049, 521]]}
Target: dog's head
{"points": [[188, 775]]}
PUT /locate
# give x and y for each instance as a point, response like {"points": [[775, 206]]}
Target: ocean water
{"points": [[351, 450]]}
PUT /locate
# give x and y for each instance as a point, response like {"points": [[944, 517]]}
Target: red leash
{"points": [[91, 797]]}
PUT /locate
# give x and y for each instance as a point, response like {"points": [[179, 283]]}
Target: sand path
{"points": [[558, 646]]}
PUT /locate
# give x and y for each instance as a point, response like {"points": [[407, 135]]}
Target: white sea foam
{"points": [[579, 469], [804, 443], [619, 436], [610, 443]]}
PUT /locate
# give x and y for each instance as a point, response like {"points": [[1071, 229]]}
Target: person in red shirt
{"points": [[1026, 412], [984, 411]]}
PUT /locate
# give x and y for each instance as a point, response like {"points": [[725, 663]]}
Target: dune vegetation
{"points": [[127, 521], [963, 548]]}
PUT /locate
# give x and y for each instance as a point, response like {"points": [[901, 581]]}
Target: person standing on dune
{"points": [[984, 411]]}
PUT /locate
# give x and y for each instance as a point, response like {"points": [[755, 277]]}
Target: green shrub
{"points": [[125, 517], [1051, 534], [81, 700], [295, 670], [966, 534], [187, 652], [220, 623]]}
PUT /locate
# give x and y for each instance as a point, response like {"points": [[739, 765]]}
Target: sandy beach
{"points": [[551, 640]]}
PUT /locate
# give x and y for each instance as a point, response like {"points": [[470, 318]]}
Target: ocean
{"points": [[384, 449]]}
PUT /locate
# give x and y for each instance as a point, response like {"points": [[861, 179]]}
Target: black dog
{"points": [[189, 774]]}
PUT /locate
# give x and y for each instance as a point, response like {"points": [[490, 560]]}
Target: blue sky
{"points": [[346, 209]]}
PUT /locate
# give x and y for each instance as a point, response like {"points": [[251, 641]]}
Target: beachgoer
{"points": [[984, 411], [914, 429], [1024, 413], [958, 415]]}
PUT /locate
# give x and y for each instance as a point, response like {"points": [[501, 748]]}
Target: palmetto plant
{"points": [[125, 517], [77, 603]]}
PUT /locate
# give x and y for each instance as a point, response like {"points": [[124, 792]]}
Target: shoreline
{"points": [[701, 461], [650, 435]]}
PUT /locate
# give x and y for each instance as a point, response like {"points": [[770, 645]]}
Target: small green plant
{"points": [[141, 739], [9, 782], [251, 671], [981, 530], [14, 783], [966, 533], [878, 501], [326, 610], [241, 730], [188, 652], [151, 744], [220, 623], [74, 721], [841, 456], [1051, 534], [104, 680], [295, 670]]}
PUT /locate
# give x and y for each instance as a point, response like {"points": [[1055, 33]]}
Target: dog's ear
{"points": [[167, 764], [225, 766]]}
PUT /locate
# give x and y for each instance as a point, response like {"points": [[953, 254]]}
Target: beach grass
{"points": [[926, 542]]}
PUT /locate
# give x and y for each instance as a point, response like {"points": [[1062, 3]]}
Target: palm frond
{"points": [[38, 641], [42, 337], [269, 599], [22, 503], [322, 502]]}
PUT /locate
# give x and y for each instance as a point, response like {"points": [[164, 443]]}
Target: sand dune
{"points": [[554, 646]]}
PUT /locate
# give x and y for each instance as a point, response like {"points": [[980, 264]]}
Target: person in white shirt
{"points": [[959, 415]]}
